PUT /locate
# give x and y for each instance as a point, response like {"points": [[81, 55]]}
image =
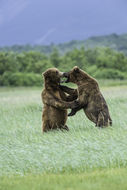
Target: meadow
{"points": [[86, 157]]}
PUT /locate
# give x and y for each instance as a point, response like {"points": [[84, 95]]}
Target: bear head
{"points": [[52, 77], [74, 75]]}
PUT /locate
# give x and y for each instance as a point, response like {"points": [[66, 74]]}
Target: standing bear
{"points": [[55, 101], [89, 97]]}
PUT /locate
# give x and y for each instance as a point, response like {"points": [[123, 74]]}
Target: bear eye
{"points": [[57, 72], [76, 70]]}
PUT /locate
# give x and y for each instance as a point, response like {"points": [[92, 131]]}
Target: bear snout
{"points": [[66, 75], [61, 74]]}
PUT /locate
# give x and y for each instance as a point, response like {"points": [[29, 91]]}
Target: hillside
{"points": [[117, 42], [114, 41]]}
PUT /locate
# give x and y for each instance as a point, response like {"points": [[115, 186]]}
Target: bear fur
{"points": [[56, 102], [89, 97]]}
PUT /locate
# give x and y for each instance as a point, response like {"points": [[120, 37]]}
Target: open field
{"points": [[113, 179], [85, 156]]}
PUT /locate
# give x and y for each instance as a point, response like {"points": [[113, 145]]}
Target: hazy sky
{"points": [[46, 21]]}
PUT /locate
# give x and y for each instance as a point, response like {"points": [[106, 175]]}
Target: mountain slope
{"points": [[114, 41]]}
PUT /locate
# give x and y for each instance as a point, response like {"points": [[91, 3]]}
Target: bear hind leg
{"points": [[110, 121], [45, 127], [65, 127], [103, 120], [100, 120]]}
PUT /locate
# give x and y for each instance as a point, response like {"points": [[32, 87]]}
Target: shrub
{"points": [[91, 70], [109, 74], [21, 79], [24, 69]]}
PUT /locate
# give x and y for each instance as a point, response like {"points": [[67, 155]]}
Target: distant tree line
{"points": [[114, 41], [24, 69]]}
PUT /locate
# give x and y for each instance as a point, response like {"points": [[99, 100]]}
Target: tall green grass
{"points": [[25, 150], [114, 179]]}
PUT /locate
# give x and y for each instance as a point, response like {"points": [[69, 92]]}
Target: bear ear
{"points": [[44, 74], [76, 69]]}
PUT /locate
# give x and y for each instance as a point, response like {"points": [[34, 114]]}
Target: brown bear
{"points": [[89, 97], [56, 102]]}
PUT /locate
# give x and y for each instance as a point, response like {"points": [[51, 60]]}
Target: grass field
{"points": [[86, 157]]}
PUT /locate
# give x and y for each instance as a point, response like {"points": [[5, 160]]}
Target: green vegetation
{"points": [[111, 179], [85, 156], [24, 69]]}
